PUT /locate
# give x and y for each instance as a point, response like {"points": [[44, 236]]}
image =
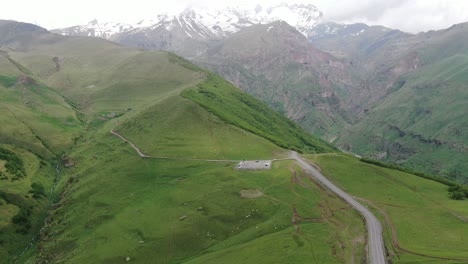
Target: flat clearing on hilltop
{"points": [[192, 212]]}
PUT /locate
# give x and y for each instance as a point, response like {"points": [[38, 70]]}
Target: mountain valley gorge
{"points": [[369, 90], [235, 135]]}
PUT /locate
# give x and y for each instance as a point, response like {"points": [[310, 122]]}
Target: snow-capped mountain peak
{"points": [[302, 16], [202, 23], [94, 28]]}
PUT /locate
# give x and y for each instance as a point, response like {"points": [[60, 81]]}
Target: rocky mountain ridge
{"points": [[341, 82], [201, 23]]}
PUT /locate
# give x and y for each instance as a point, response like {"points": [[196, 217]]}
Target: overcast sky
{"points": [[407, 15]]}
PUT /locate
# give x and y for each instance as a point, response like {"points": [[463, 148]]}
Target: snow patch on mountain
{"points": [[96, 29], [301, 16], [330, 29], [204, 23]]}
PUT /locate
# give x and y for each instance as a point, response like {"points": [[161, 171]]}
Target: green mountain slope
{"points": [[180, 128], [186, 209], [332, 82], [37, 118], [113, 204], [242, 110], [364, 101], [421, 223], [181, 210], [275, 63], [422, 123], [110, 205], [376, 55], [37, 126]]}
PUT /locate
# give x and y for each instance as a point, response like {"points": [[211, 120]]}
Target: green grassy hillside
{"points": [[174, 121], [422, 124], [419, 212], [114, 78], [36, 117], [37, 127], [178, 127], [117, 205], [242, 110], [276, 64], [112, 204], [24, 199], [108, 205]]}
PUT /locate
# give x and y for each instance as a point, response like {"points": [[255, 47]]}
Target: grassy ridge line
{"points": [[39, 89], [19, 66], [74, 106], [80, 116], [419, 174], [237, 108], [184, 129], [453, 186]]}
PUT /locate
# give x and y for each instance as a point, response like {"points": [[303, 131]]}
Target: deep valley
{"points": [[233, 137]]}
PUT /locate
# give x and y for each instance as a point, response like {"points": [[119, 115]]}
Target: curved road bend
{"points": [[375, 244]]}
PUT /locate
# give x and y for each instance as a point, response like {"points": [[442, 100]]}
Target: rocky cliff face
{"points": [[276, 63]]}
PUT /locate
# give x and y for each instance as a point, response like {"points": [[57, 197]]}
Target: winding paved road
{"points": [[375, 243]]}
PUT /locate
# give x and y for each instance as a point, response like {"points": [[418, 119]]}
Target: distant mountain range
{"points": [[190, 32], [199, 23], [333, 79]]}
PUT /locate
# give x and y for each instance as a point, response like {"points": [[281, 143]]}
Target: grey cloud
{"points": [[370, 10], [407, 15]]}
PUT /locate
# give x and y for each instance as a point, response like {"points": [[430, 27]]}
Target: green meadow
{"points": [[117, 205], [411, 128], [425, 219], [108, 205], [37, 118], [179, 128], [111, 204]]}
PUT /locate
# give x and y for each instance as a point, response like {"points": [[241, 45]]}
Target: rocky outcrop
{"points": [[25, 80]]}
